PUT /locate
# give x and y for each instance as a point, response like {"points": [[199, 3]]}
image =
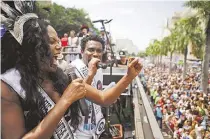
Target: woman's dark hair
{"points": [[27, 58], [93, 38], [61, 81]]}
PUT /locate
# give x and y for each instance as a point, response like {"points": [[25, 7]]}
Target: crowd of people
{"points": [[71, 42], [179, 104]]}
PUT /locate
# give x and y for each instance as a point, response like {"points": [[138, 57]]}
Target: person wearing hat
{"points": [[123, 61], [84, 30]]}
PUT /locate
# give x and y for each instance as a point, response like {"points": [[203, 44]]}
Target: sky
{"points": [[139, 21]]}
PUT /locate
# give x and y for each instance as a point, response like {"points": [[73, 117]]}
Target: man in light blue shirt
{"points": [[159, 115]]}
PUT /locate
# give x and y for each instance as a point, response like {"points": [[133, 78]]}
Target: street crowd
{"points": [[179, 104]]}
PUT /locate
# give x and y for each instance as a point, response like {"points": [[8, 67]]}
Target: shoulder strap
{"points": [[81, 69], [12, 77]]}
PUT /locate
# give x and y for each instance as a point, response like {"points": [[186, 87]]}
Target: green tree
{"points": [[157, 50], [189, 32], [203, 8], [150, 52], [154, 51], [64, 19], [168, 44], [142, 54], [198, 45]]}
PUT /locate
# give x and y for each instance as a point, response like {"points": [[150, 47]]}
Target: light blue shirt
{"points": [[159, 112]]}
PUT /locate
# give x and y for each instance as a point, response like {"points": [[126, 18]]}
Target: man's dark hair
{"points": [[91, 38]]}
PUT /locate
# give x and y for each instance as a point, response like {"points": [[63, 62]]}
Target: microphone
{"points": [[98, 21], [101, 65], [70, 71], [104, 66]]}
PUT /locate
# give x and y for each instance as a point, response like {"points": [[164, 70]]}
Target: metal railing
{"points": [[71, 53], [139, 134], [157, 134]]}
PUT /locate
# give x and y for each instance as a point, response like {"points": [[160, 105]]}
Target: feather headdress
{"points": [[13, 19]]}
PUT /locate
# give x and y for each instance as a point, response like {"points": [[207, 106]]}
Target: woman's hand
{"points": [[76, 90], [134, 68]]}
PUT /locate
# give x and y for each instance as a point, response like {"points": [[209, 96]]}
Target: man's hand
{"points": [[92, 67], [134, 68]]}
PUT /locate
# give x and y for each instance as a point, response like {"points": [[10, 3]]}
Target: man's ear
{"points": [[82, 51]]}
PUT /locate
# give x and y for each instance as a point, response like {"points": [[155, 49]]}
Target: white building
{"points": [[127, 45], [169, 24]]}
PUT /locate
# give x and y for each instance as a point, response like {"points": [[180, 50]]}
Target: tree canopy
{"points": [[64, 19]]}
